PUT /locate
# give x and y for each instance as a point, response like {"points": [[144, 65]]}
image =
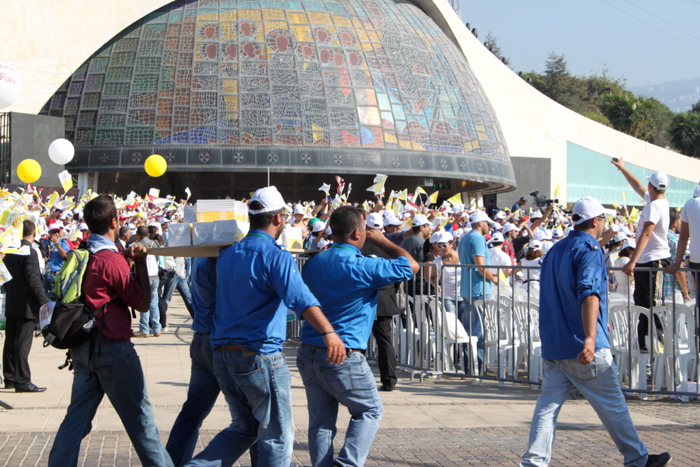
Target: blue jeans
{"points": [[201, 397], [598, 382], [258, 390], [115, 371], [471, 319], [49, 281], [352, 384], [172, 282], [151, 319]]}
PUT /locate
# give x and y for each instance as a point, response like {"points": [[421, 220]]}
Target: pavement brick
{"points": [[435, 422]]}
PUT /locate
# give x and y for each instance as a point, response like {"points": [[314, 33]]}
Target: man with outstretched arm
{"points": [[347, 285]]}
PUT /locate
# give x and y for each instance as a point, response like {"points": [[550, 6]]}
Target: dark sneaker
{"points": [[387, 387], [659, 460]]}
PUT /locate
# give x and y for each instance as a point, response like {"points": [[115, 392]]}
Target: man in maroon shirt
{"points": [[112, 367]]}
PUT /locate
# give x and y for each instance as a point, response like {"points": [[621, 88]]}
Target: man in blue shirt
{"points": [[204, 388], [347, 285], [574, 332], [472, 250], [256, 281]]}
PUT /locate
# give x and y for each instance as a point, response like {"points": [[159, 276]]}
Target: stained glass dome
{"points": [[352, 86]]}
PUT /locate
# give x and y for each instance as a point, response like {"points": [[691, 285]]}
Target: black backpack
{"points": [[72, 323]]}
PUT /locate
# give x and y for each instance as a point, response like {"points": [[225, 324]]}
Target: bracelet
{"points": [[327, 332]]}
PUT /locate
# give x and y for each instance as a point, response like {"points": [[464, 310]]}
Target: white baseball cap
{"points": [[557, 232], [299, 209], [318, 226], [509, 227], [419, 220], [270, 198], [538, 234], [588, 208], [659, 180], [535, 245], [441, 236], [536, 215], [391, 219], [629, 243], [373, 221], [500, 215], [497, 237], [83, 226], [479, 216]]}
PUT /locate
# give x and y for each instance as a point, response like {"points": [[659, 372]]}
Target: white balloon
{"points": [[10, 84], [61, 151]]}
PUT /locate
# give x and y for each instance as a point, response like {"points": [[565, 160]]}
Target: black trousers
{"points": [[649, 292], [15, 355], [386, 357]]}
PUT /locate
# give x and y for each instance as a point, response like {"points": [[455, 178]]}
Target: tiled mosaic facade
{"points": [[359, 85]]}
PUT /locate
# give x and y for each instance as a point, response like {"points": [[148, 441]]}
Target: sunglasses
{"points": [[441, 245]]}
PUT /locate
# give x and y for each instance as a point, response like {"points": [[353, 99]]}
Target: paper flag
{"points": [[456, 199], [403, 195], [66, 180], [397, 207], [556, 191], [154, 192], [624, 202], [615, 205], [379, 181], [421, 191], [341, 184], [349, 189], [411, 206], [432, 199], [365, 206], [52, 199], [189, 193], [326, 188]]}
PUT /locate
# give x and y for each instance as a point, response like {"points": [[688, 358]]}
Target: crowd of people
{"points": [[358, 258]]}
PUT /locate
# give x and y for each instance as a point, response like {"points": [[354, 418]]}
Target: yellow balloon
{"points": [[155, 165], [29, 171]]}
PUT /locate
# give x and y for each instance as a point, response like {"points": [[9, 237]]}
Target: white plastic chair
{"points": [[530, 344], [497, 327], [638, 370], [619, 334], [455, 334], [679, 341]]}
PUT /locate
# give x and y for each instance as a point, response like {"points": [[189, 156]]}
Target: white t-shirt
{"points": [[499, 258], [623, 279], [451, 276], [691, 216], [657, 247]]}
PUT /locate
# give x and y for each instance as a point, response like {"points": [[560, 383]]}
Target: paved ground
{"points": [[437, 422]]}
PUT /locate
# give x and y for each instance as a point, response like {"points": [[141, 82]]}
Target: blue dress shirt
{"points": [[347, 285], [573, 269], [203, 287], [256, 282], [55, 259]]}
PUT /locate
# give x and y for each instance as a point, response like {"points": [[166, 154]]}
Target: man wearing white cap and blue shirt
{"points": [[472, 250], [256, 282], [575, 349], [652, 245]]}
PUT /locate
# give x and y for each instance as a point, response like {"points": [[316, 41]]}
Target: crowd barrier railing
{"points": [[494, 335]]}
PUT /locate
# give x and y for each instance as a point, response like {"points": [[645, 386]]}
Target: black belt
{"points": [[240, 348], [349, 351]]}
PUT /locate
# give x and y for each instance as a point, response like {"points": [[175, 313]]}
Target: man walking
{"points": [[347, 285], [574, 332], [25, 295], [115, 369], [256, 282]]}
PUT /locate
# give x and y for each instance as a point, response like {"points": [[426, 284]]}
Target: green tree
{"points": [[696, 108], [629, 114], [556, 81], [494, 48], [685, 133]]}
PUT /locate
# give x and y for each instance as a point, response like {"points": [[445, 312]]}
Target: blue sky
{"points": [[643, 41]]}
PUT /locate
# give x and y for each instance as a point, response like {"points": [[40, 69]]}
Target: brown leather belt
{"points": [[323, 348], [240, 348]]}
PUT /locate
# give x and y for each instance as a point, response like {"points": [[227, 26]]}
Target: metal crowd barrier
{"points": [[437, 332]]}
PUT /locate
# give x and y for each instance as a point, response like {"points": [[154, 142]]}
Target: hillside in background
{"points": [[679, 96]]}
